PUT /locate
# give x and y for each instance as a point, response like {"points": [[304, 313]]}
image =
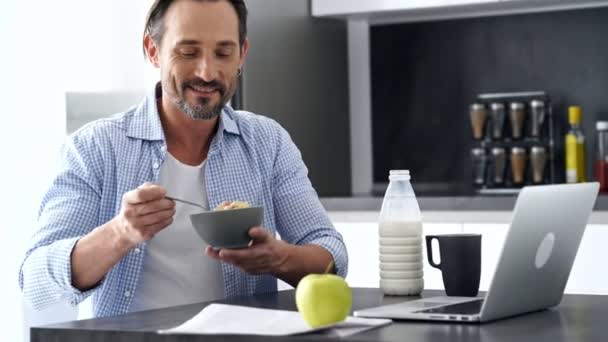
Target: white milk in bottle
{"points": [[400, 233]]}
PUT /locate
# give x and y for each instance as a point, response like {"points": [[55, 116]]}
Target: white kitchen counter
{"points": [[431, 216], [360, 232], [479, 203]]}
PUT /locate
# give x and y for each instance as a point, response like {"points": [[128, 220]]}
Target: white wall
{"points": [[48, 48]]}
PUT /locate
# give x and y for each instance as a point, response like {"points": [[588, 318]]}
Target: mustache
{"points": [[215, 84]]}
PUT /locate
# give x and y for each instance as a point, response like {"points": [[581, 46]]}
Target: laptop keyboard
{"points": [[466, 308]]}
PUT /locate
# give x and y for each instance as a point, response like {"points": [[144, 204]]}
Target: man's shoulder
{"points": [[257, 126]]}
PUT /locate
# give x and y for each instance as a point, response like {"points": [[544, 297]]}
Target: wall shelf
{"points": [[377, 12]]}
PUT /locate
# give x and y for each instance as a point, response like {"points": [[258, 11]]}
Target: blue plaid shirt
{"points": [[251, 158]]}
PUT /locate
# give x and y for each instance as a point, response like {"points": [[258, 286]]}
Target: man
{"points": [[106, 225]]}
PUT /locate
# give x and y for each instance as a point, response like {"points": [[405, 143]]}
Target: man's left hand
{"points": [[266, 254]]}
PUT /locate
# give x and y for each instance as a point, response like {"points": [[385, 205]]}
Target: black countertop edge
{"points": [[439, 203]]}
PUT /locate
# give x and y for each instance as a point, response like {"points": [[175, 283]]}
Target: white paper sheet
{"points": [[234, 319]]}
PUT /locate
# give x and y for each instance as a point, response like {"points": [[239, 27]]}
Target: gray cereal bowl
{"points": [[227, 228]]}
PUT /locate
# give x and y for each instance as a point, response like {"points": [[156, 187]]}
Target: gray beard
{"points": [[199, 112]]}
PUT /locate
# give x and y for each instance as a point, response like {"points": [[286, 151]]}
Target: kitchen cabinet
{"points": [[361, 239], [432, 276], [394, 11], [493, 236], [588, 272], [363, 7], [586, 277]]}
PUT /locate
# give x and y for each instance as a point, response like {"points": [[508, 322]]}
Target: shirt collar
{"points": [[145, 123]]}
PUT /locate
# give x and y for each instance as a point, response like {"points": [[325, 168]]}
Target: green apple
{"points": [[323, 299]]}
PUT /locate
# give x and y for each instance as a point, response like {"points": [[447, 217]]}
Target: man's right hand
{"points": [[145, 211]]}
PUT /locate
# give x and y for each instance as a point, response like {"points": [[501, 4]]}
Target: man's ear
{"points": [[244, 50], [152, 50]]}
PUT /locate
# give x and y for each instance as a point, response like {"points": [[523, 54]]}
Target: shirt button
{"points": [[137, 250], [156, 165], [127, 294], [163, 148]]}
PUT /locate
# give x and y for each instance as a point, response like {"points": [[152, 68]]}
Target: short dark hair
{"points": [[155, 24]]}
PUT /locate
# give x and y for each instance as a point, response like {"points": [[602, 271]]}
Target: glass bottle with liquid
{"points": [[601, 161], [575, 147], [400, 233]]}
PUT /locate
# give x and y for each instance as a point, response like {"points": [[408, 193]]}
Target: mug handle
{"points": [[429, 250]]}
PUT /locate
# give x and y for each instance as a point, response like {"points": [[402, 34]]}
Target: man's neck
{"points": [[188, 139]]}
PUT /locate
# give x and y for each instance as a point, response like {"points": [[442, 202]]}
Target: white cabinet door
{"points": [[432, 276], [361, 239], [589, 274], [493, 236]]}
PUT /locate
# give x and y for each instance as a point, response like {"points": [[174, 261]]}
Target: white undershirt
{"points": [[176, 270]]}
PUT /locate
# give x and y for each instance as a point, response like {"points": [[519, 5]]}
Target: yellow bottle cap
{"points": [[574, 114]]}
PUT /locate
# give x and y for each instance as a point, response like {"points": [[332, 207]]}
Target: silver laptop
{"points": [[546, 230]]}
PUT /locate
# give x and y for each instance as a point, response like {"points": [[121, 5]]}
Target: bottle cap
{"points": [[537, 149], [517, 106], [477, 107], [601, 125], [498, 150], [537, 104], [497, 106], [478, 151], [399, 173], [518, 150], [574, 114]]}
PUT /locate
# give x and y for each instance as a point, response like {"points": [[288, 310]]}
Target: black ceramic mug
{"points": [[460, 262]]}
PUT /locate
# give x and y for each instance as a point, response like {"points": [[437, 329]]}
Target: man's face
{"points": [[199, 56]]}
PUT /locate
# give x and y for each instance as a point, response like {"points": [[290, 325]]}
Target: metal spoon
{"points": [[187, 202]]}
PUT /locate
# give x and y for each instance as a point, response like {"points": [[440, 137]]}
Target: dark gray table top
{"points": [[577, 318]]}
